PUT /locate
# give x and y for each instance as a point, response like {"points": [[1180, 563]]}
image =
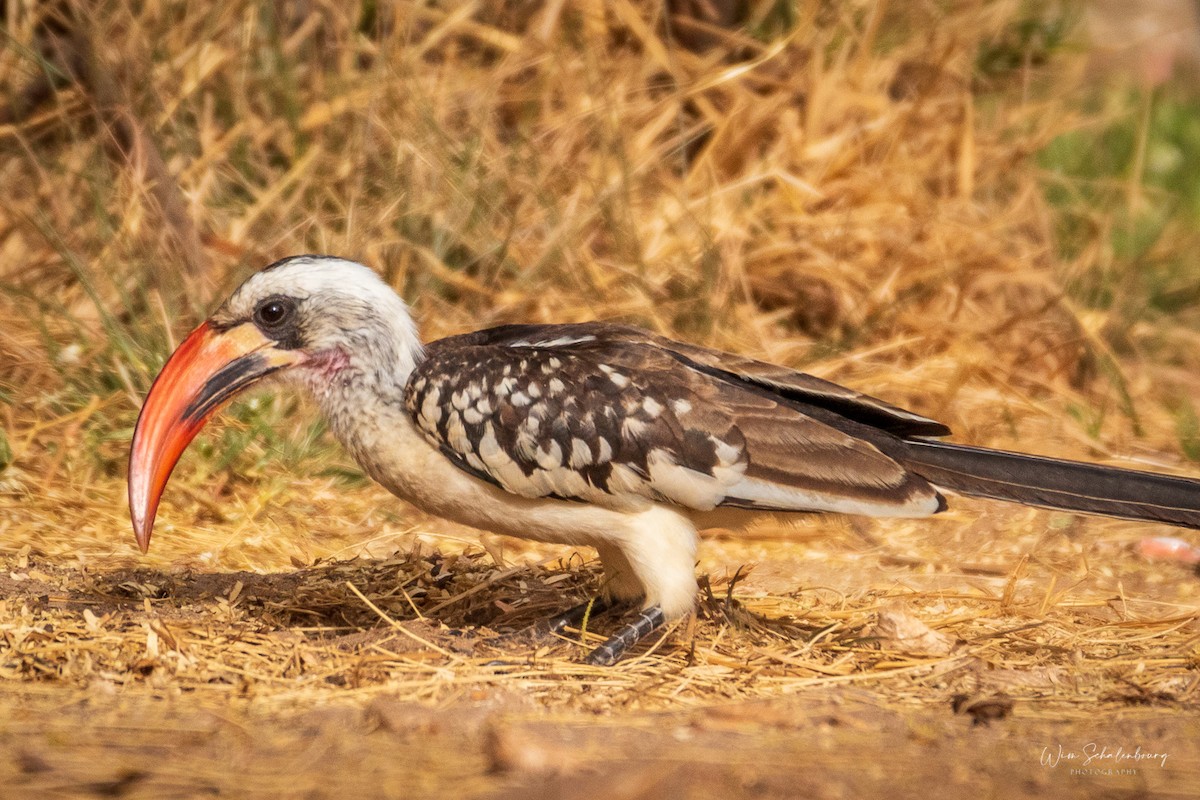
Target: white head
{"points": [[338, 314], [326, 323]]}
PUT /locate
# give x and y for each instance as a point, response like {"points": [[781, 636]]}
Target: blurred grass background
{"points": [[986, 212]]}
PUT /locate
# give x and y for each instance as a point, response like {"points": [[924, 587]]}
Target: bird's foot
{"points": [[574, 617], [626, 637], [547, 631], [608, 653]]}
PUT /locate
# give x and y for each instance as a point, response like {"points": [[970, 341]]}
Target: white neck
{"points": [[369, 365]]}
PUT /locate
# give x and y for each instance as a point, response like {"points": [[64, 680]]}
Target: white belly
{"points": [[657, 542]]}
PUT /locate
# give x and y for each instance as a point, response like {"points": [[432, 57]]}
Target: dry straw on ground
{"points": [[846, 195]]}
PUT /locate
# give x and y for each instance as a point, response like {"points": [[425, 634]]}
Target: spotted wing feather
{"points": [[784, 381], [593, 413]]}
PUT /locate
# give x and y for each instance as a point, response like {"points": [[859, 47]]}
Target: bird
{"points": [[589, 434]]}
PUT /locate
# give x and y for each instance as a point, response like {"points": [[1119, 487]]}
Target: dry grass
{"points": [[422, 626], [846, 193]]}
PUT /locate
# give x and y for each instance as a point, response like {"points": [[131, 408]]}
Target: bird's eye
{"points": [[274, 312]]}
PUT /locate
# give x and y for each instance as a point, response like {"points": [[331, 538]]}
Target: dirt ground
{"points": [[415, 675], [826, 746]]}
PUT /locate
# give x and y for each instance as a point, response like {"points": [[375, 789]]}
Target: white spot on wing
{"points": [[561, 341], [685, 486], [549, 456], [431, 411], [489, 446], [623, 480], [569, 483], [617, 378], [513, 478], [727, 454], [526, 444], [456, 434], [581, 454], [633, 428]]}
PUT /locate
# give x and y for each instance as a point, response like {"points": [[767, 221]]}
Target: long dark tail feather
{"points": [[1054, 483]]}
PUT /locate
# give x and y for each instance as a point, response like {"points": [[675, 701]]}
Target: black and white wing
{"points": [[615, 416]]}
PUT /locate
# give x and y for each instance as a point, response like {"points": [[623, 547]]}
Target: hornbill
{"points": [[589, 434]]}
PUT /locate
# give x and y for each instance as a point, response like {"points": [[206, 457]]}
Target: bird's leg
{"points": [[573, 617], [546, 631], [609, 653], [657, 568]]}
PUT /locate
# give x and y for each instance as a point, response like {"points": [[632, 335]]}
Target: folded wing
{"points": [[614, 416]]}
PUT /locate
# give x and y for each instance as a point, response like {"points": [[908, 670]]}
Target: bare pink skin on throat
{"points": [[328, 363]]}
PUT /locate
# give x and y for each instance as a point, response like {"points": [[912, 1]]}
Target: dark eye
{"points": [[274, 312]]}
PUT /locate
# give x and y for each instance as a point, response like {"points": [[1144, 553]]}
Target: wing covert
{"points": [[560, 421], [588, 412]]}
